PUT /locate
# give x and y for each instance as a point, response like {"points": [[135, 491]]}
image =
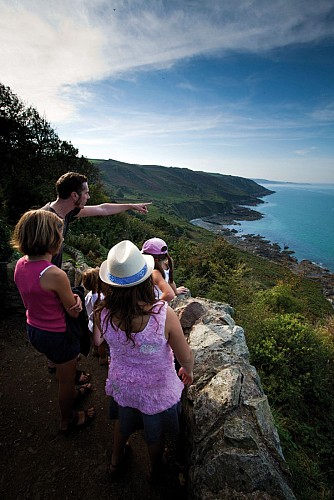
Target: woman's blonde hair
{"points": [[38, 232]]}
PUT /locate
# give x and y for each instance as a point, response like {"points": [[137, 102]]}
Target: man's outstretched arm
{"points": [[112, 209]]}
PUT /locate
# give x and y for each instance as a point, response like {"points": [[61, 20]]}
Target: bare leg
{"points": [[66, 390], [118, 447], [155, 452], [103, 354], [51, 366]]}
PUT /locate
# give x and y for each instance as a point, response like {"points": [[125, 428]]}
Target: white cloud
{"points": [[209, 128], [187, 86], [43, 60], [49, 48], [304, 152], [159, 34], [324, 114]]}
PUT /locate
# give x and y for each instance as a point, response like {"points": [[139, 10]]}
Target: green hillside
{"points": [[191, 194]]}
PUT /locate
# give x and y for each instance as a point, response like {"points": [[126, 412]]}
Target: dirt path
{"points": [[39, 463]]}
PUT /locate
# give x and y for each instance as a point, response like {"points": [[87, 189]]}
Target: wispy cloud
{"points": [[304, 152], [187, 86], [43, 58], [49, 48], [206, 125], [324, 114]]}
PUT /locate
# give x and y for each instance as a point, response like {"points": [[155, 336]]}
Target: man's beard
{"points": [[78, 202]]}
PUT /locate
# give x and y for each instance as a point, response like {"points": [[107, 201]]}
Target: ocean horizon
{"points": [[297, 216]]}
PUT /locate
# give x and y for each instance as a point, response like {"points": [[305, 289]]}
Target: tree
{"points": [[32, 157]]}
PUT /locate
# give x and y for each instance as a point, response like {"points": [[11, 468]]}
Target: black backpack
{"points": [[79, 326]]}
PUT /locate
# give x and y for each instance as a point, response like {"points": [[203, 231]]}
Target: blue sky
{"points": [[243, 88]]}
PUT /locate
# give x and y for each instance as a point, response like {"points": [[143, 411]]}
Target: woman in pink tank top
{"points": [[47, 294], [143, 335]]}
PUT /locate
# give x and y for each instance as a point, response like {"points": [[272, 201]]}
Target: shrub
{"points": [[86, 243], [6, 250], [295, 361], [280, 299]]}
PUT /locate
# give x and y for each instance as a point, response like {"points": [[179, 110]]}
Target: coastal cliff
{"points": [[181, 191]]}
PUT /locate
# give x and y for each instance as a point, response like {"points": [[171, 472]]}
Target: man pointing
{"points": [[72, 196]]}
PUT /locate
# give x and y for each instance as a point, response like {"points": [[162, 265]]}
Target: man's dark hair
{"points": [[69, 183]]}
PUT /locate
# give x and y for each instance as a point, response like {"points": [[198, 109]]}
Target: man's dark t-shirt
{"points": [[58, 259]]}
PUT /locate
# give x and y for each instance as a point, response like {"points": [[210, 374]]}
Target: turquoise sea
{"points": [[300, 216]]}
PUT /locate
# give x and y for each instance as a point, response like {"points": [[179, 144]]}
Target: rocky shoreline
{"points": [[258, 245]]}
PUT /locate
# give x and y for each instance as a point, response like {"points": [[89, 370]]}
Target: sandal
{"points": [[81, 377], [114, 470], [75, 423], [153, 474], [82, 392]]}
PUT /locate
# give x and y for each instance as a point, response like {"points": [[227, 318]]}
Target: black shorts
{"points": [[59, 347]]}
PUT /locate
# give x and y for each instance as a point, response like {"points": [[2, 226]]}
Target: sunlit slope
{"points": [[192, 194]]}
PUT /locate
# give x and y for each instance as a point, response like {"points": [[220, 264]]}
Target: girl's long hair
{"points": [[158, 259], [124, 305]]}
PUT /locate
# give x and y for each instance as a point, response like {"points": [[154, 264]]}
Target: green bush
{"points": [[295, 360], [280, 299], [6, 250], [211, 271], [86, 243]]}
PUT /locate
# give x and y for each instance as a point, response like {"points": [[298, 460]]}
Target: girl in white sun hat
{"points": [[163, 274], [143, 334]]}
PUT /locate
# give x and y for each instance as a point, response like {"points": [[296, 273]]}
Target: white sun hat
{"points": [[126, 265]]}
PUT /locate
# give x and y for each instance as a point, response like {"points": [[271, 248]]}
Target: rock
{"points": [[232, 444], [189, 315]]}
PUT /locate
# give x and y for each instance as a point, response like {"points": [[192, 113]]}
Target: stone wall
{"points": [[232, 444]]}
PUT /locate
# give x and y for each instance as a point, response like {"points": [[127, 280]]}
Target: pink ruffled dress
{"points": [[143, 375]]}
